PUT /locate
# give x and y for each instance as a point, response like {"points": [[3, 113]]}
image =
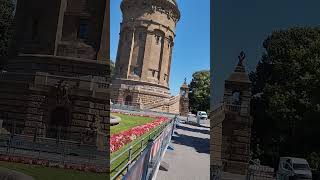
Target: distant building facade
{"points": [[142, 70], [57, 85]]}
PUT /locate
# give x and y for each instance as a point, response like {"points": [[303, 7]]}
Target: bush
{"points": [[313, 160]]}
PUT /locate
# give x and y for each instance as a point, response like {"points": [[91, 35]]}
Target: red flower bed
{"points": [[46, 163], [125, 137]]}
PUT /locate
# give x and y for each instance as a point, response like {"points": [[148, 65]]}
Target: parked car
{"points": [[201, 115], [294, 168]]}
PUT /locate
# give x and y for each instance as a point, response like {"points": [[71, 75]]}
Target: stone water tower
{"points": [[145, 49]]}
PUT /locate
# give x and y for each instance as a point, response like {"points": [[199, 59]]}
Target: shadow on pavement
{"points": [[203, 131], [194, 123], [201, 145]]}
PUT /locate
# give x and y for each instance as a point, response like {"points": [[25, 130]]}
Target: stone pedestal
{"points": [[231, 130]]}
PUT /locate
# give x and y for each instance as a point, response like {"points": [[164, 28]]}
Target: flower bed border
{"points": [[47, 163], [117, 141]]}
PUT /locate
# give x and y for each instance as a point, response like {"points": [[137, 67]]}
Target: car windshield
{"points": [[203, 113], [301, 167]]}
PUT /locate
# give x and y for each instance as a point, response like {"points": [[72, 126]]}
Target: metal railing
{"points": [[123, 109], [232, 107], [216, 172], [48, 149], [217, 109], [156, 158], [55, 145], [125, 105], [260, 172]]}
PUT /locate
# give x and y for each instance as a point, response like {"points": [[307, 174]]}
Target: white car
{"points": [[201, 115], [294, 167]]}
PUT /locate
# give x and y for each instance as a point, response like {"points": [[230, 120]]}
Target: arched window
{"points": [[59, 122], [159, 35], [35, 29], [120, 69], [83, 30], [125, 33], [128, 100], [140, 36], [157, 39], [236, 98], [170, 44], [136, 71]]}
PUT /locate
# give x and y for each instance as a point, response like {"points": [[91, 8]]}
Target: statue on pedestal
{"points": [[241, 58]]}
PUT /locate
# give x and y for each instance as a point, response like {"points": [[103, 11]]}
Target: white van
{"points": [[294, 167]]}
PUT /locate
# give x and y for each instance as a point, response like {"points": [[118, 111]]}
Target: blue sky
{"points": [[243, 25], [192, 44]]}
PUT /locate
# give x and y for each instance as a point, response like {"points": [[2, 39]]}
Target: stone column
{"points": [[63, 7], [34, 118], [169, 62], [131, 52], [165, 61], [1, 121], [161, 59], [104, 51], [216, 144], [145, 65], [216, 140]]}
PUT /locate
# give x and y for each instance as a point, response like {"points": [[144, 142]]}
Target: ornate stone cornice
{"points": [[167, 38], [152, 6], [143, 23]]}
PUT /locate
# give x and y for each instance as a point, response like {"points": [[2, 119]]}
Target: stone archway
{"points": [[58, 124], [128, 100]]}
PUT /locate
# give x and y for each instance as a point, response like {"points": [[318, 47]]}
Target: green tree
{"points": [[286, 86], [6, 28], [199, 95]]}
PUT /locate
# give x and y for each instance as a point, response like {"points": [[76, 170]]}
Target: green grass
{"points": [[122, 160], [128, 122], [46, 173]]}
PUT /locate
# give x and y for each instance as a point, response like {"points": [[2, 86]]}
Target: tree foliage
{"points": [[112, 68], [6, 28], [286, 114], [199, 95]]}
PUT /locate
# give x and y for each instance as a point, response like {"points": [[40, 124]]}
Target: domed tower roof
{"points": [[140, 5], [173, 2]]}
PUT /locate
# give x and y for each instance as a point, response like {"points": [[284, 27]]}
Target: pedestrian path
{"points": [[190, 159], [6, 174]]}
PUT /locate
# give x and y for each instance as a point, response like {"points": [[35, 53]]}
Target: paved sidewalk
{"points": [[190, 159], [6, 174]]}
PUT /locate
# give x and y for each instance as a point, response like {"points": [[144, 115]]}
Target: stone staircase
{"points": [[160, 103]]}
